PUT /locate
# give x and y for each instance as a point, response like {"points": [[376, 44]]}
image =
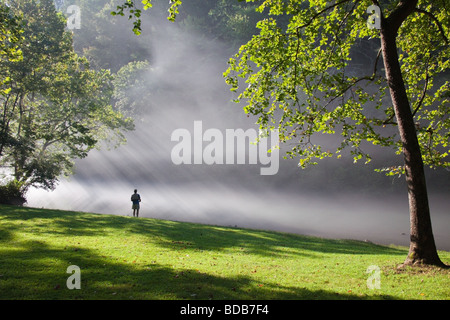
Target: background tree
{"points": [[10, 36], [106, 43], [131, 92], [55, 107]]}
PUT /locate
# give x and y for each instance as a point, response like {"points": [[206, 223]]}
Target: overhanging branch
{"points": [[323, 11], [400, 13], [436, 21], [424, 91], [367, 78]]}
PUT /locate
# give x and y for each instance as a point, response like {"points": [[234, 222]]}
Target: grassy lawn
{"points": [[129, 258]]}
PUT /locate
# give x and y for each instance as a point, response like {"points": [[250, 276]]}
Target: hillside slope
{"points": [[129, 258]]}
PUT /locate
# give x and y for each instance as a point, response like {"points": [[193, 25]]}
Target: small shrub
{"points": [[12, 193]]}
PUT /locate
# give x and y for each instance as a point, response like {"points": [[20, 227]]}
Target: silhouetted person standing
{"points": [[135, 198]]}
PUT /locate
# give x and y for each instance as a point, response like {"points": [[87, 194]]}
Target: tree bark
{"points": [[422, 248]]}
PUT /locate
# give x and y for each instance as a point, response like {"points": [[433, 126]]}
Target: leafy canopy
{"points": [[302, 78], [10, 37], [54, 108], [135, 12], [303, 74]]}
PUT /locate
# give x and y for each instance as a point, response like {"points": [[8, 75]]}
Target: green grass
{"points": [[128, 258]]}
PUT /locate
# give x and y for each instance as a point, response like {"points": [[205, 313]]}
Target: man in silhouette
{"points": [[135, 198]]}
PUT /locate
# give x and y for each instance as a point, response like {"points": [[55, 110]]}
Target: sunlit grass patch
{"points": [[130, 258]]}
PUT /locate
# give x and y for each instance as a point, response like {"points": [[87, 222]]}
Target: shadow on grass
{"points": [[203, 237], [39, 278], [35, 270]]}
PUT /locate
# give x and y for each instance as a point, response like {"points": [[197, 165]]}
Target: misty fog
{"points": [[335, 199]]}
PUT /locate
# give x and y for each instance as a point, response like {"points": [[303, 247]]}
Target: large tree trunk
{"points": [[422, 248]]}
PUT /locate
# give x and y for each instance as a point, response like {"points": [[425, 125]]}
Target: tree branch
{"points": [[424, 91], [400, 13], [368, 78], [322, 11], [436, 21], [376, 63]]}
